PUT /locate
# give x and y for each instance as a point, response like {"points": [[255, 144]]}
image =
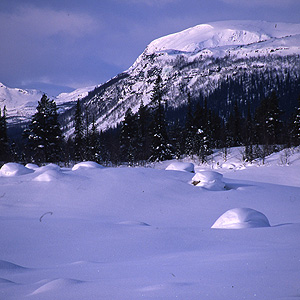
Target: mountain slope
{"points": [[21, 104], [208, 61]]}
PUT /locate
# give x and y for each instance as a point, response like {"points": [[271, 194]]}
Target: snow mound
{"points": [[239, 218], [49, 175], [14, 169], [32, 166], [209, 180], [49, 167], [181, 166], [87, 165], [56, 284]]}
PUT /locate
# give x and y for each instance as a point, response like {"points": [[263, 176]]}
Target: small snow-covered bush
{"points": [[209, 180], [239, 218], [14, 169], [32, 166], [87, 165], [181, 166]]}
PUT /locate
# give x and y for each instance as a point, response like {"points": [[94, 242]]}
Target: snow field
{"points": [[145, 233]]}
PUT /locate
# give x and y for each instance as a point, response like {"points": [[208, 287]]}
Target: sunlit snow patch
{"points": [[14, 169], [239, 218], [86, 165], [181, 166], [209, 180], [32, 166]]}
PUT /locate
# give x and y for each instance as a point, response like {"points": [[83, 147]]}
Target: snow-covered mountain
{"points": [[21, 104], [225, 61], [255, 55]]}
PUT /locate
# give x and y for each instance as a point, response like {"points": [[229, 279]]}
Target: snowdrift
{"points": [[181, 166], [14, 169], [209, 180], [87, 165], [239, 218]]}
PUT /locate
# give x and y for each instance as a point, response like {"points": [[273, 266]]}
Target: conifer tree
{"points": [[44, 133], [128, 141], [249, 139], [94, 149], [160, 147], [4, 146], [78, 134], [268, 123], [143, 138], [296, 126], [190, 130]]}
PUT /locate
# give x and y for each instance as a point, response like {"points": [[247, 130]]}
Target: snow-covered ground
{"points": [[145, 233]]}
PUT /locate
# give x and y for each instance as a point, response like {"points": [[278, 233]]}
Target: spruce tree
{"points": [[78, 134], [249, 139], [190, 130], [296, 126], [268, 123], [44, 133], [160, 147], [4, 145], [143, 137], [128, 141]]}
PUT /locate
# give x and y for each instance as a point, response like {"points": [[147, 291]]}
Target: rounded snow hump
{"points": [[239, 218], [87, 165], [209, 180], [181, 166], [14, 169]]}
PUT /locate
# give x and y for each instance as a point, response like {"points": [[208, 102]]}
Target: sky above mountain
{"points": [[61, 44]]}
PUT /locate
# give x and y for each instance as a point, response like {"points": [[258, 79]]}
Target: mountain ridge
{"points": [[204, 69], [200, 60]]}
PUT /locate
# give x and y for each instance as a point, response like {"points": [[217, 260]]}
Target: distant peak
{"points": [[220, 34]]}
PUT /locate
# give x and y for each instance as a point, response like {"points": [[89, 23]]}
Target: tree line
{"points": [[154, 132]]}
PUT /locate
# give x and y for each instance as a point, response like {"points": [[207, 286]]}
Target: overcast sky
{"points": [[76, 43]]}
